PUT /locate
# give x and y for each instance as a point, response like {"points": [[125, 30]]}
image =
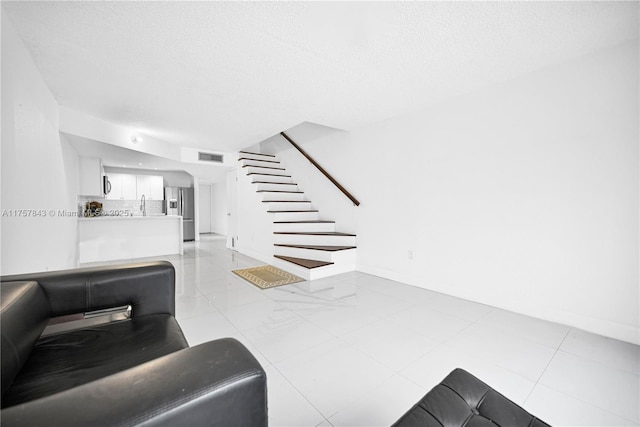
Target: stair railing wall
{"points": [[322, 170]]}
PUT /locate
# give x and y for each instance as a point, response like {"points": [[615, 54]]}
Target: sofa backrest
{"points": [[24, 313], [148, 287]]}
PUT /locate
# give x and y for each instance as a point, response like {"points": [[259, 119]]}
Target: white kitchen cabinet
{"points": [[91, 173], [131, 187], [156, 188], [152, 186], [123, 186]]}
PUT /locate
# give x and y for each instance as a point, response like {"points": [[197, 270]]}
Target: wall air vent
{"points": [[210, 157]]}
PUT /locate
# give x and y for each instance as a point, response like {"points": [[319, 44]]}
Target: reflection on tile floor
{"points": [[359, 350]]}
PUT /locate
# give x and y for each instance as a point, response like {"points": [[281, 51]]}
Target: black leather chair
{"points": [[137, 369], [463, 400]]}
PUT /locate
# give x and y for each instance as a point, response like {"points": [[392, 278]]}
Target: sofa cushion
{"points": [[24, 313], [463, 400], [62, 361]]}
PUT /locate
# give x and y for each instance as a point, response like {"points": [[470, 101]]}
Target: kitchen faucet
{"points": [[143, 206]]}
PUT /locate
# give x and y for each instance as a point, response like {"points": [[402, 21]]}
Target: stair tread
{"points": [[269, 174], [315, 233], [280, 191], [263, 167], [256, 154], [304, 222], [307, 210], [286, 201], [302, 262], [271, 182], [317, 247], [258, 160]]}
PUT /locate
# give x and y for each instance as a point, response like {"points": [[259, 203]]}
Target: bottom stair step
{"points": [[315, 233], [307, 263], [317, 247]]}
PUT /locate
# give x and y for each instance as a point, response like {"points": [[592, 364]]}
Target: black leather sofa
{"points": [[117, 369], [463, 400]]}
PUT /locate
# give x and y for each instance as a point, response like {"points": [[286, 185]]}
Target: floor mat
{"points": [[267, 276]]}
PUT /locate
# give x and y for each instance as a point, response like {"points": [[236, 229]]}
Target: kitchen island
{"points": [[111, 238]]}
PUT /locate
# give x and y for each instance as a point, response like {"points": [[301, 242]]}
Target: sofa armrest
{"points": [[148, 287], [218, 383], [463, 400]]}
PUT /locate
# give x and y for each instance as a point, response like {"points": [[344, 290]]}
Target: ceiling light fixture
{"points": [[136, 139]]}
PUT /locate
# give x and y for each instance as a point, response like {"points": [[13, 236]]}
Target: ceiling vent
{"points": [[210, 157]]}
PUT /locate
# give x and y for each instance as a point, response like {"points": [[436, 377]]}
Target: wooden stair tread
{"points": [[257, 160], [256, 154], [280, 191], [271, 182], [314, 233], [264, 167], [286, 201], [302, 262], [307, 210], [318, 247], [269, 174], [304, 222]]}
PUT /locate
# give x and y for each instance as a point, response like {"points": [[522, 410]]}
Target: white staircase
{"points": [[304, 243]]}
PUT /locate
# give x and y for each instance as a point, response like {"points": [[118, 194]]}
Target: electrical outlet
{"points": [[410, 253]]}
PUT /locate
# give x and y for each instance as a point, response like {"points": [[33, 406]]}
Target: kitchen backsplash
{"points": [[122, 207]]}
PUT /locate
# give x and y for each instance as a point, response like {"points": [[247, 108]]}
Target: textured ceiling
{"points": [[226, 75]]}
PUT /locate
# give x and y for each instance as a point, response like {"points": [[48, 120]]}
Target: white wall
{"points": [[232, 207], [40, 170], [87, 126], [522, 196], [254, 224]]}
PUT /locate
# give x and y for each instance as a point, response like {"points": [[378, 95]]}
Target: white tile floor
{"points": [[359, 350]]}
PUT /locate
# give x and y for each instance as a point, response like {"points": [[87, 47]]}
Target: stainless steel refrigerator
{"points": [[179, 201]]}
